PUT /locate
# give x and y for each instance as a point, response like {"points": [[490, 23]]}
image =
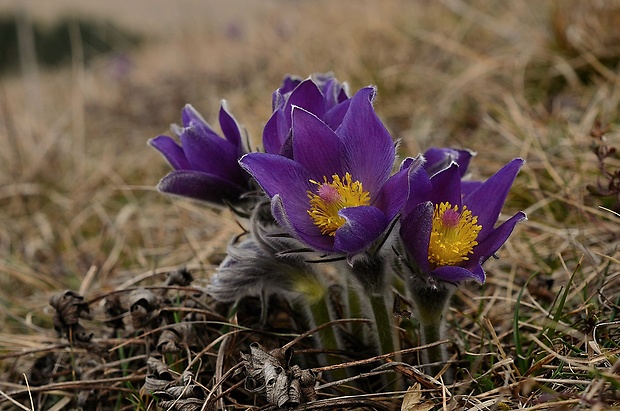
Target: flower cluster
{"points": [[329, 184]]}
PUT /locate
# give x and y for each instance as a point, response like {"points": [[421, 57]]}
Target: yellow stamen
{"points": [[330, 198], [453, 236]]}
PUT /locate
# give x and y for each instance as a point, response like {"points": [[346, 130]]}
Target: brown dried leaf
{"points": [[144, 307], [413, 400], [269, 374]]}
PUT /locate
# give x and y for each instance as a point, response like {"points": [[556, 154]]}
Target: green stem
{"points": [[320, 314], [355, 310], [319, 310], [383, 322], [434, 357], [431, 297]]}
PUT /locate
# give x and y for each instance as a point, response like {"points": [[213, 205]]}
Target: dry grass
{"points": [[78, 209]]}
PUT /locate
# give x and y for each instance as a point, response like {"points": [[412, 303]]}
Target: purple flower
{"points": [[205, 165], [321, 95], [336, 193], [449, 236]]}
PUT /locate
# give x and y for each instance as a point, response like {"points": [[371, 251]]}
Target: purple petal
{"points": [[230, 127], [456, 274], [333, 118], [447, 186], [420, 188], [275, 132], [463, 160], [487, 201], [311, 235], [211, 154], [468, 186], [307, 96], [315, 146], [496, 238], [395, 191], [439, 158], [415, 231], [172, 151], [369, 151], [363, 226], [200, 186], [189, 115], [279, 175]]}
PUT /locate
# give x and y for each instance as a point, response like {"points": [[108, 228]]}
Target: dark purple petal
{"points": [[211, 154], [200, 186], [172, 151], [487, 201], [275, 132], [463, 159], [307, 96], [311, 235], [447, 186], [419, 191], [395, 191], [496, 238], [333, 117], [189, 115], [315, 146], [230, 127], [456, 274], [363, 226], [439, 158], [369, 151], [468, 186], [415, 231], [278, 175]]}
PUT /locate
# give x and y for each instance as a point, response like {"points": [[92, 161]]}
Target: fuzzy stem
{"points": [[321, 315], [431, 299], [433, 357], [355, 310], [383, 322]]}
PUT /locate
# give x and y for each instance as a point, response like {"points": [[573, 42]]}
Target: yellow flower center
{"points": [[330, 198], [453, 236]]}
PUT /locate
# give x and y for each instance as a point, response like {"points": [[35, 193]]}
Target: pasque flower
{"points": [[205, 164], [320, 94], [448, 235], [335, 194]]}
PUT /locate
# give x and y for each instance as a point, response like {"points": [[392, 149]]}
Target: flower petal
{"points": [[275, 132], [369, 152], [496, 238], [447, 186], [333, 117], [308, 234], [210, 154], [200, 186], [456, 274], [415, 231], [439, 158], [315, 145], [281, 176], [487, 201], [307, 96], [363, 225], [172, 151], [230, 127], [395, 191]]}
